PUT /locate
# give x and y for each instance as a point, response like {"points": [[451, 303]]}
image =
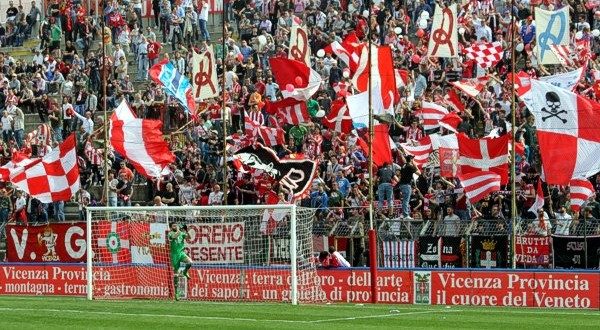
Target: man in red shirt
{"points": [[153, 51]]}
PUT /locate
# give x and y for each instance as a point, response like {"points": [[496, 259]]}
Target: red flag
{"points": [[580, 191], [478, 185], [382, 75], [451, 122], [338, 118], [454, 100], [304, 80], [382, 151], [484, 155]]}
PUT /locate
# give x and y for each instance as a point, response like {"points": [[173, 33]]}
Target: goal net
{"points": [[230, 253]]}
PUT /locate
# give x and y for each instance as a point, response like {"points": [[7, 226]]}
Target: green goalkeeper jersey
{"points": [[177, 241]]}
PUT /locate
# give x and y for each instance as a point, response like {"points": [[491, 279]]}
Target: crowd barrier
{"points": [[515, 288]]}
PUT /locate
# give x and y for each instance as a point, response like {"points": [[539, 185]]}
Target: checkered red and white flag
{"points": [[485, 54], [53, 178]]}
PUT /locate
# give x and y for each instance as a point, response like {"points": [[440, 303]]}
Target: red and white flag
{"points": [[478, 185], [451, 122], [564, 53], [398, 253], [338, 118], [150, 155], [486, 154], [485, 54], [539, 198], [290, 111], [18, 161], [270, 136], [420, 150], [471, 87], [580, 190], [431, 114], [305, 81], [401, 77], [566, 124], [383, 67], [348, 51], [53, 178]]}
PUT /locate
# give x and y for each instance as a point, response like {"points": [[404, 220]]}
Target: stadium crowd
{"points": [[63, 80]]}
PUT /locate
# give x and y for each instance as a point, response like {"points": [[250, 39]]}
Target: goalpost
{"points": [[238, 253]]}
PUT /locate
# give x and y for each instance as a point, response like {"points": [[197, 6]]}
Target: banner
{"points": [[451, 252], [204, 73], [149, 243], [489, 252], [399, 254], [532, 251], [174, 83], [56, 242], [449, 162], [566, 80], [509, 288], [443, 41], [551, 28], [299, 46], [569, 251], [216, 243], [429, 256], [438, 287]]}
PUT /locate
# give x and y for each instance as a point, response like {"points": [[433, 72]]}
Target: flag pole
{"points": [[372, 234], [224, 112], [513, 191], [104, 106]]}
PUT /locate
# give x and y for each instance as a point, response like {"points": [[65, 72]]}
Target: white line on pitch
{"points": [[75, 311], [382, 316]]}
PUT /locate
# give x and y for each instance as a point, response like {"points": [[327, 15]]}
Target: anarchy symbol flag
{"points": [[443, 41], [552, 28]]}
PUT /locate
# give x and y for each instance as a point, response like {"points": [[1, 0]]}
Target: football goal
{"points": [[217, 253]]}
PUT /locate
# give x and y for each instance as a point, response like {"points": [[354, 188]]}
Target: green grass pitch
{"points": [[75, 313]]}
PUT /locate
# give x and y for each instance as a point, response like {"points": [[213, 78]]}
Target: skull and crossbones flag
{"points": [[294, 175], [567, 131]]}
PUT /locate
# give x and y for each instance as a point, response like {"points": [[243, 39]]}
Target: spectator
{"points": [[216, 196], [340, 259]]}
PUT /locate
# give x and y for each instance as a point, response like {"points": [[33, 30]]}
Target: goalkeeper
{"points": [[177, 237]]}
